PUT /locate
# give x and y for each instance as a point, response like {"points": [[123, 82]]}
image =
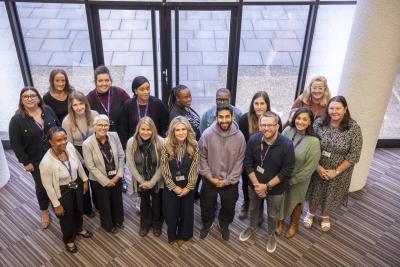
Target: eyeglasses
{"points": [[103, 125], [27, 97], [268, 125]]}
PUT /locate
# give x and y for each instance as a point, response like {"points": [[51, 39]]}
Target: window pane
{"points": [[271, 44], [56, 36], [203, 54], [127, 45], [390, 128], [329, 46], [10, 73]]}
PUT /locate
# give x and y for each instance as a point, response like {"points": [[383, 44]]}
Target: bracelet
{"points": [[337, 172]]}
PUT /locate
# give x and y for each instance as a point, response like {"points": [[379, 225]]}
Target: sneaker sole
{"points": [[241, 238], [272, 250]]}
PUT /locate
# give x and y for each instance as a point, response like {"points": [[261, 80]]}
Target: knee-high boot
{"points": [[294, 222]]}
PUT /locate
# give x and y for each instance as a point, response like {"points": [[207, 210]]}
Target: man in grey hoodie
{"points": [[222, 151]]}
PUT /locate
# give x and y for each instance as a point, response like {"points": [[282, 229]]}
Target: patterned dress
{"points": [[343, 145]]}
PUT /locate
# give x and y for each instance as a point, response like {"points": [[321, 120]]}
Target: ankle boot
{"points": [[244, 211], [294, 222], [279, 228]]}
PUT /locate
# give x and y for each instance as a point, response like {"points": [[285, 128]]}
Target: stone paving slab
{"points": [[127, 58], [65, 58]]}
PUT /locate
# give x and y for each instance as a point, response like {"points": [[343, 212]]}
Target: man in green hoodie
{"points": [[222, 151]]}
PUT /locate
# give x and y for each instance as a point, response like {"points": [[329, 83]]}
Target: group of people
{"points": [[76, 147]]}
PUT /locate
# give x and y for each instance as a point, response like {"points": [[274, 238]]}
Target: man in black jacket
{"points": [[269, 163]]}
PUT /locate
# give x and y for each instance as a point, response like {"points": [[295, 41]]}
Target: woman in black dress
{"points": [[28, 137]]}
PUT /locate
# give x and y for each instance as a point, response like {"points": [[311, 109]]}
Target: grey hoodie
{"points": [[222, 153]]}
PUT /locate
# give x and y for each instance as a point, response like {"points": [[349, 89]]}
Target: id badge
{"points": [[113, 172], [260, 169], [326, 154], [180, 178]]}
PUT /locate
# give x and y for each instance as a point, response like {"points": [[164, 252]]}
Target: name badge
{"points": [[113, 172], [260, 169], [326, 154], [180, 178]]}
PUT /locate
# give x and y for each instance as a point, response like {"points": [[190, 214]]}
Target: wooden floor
{"points": [[366, 232]]}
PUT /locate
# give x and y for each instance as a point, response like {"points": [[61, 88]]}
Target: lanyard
{"points": [[145, 111], [84, 136], [107, 110], [109, 160], [68, 167], [262, 157], [299, 141]]}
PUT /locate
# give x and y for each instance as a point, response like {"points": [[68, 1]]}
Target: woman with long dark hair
{"points": [[307, 153], [28, 137]]}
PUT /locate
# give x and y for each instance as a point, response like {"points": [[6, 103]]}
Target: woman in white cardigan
{"points": [[59, 170], [104, 158], [143, 152]]}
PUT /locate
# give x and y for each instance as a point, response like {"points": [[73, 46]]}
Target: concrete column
{"points": [[4, 172], [369, 71]]}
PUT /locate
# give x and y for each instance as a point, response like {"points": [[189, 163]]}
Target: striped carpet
{"points": [[365, 233]]}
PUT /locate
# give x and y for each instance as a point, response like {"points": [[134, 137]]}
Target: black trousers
{"points": [[151, 209], [41, 193], [208, 200], [245, 186], [178, 212], [71, 222], [109, 200]]}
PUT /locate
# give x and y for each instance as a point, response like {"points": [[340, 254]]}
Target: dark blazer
{"points": [[27, 140], [129, 118]]}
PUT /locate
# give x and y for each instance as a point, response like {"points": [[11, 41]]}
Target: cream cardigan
{"points": [[50, 172]]}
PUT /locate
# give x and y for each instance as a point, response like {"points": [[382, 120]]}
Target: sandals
{"points": [[308, 220], [325, 226], [72, 249], [85, 234]]}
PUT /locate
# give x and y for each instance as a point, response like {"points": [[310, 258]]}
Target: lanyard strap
{"points": [[109, 160], [107, 110], [138, 109], [299, 141], [41, 127], [84, 136], [262, 157], [68, 167]]}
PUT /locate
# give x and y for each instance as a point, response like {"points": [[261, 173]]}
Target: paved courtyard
{"points": [[56, 35]]}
